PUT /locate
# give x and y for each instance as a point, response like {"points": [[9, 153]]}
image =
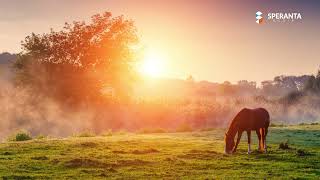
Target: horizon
{"points": [[259, 85], [193, 40]]}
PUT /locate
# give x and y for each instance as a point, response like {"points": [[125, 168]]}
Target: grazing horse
{"points": [[248, 120]]}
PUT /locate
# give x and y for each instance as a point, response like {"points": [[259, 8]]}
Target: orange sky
{"points": [[210, 40]]}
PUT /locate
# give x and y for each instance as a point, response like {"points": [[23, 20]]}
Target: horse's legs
{"points": [[259, 137], [238, 140], [265, 139], [249, 141]]}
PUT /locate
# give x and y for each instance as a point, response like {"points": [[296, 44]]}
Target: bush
{"points": [[85, 134], [276, 125], [301, 152], [149, 131], [273, 125], [41, 136], [284, 145], [21, 135]]}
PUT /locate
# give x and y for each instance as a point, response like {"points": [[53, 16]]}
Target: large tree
{"points": [[78, 62]]}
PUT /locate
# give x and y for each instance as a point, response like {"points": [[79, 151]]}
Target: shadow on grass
{"points": [[289, 155], [86, 163], [93, 163], [202, 155], [137, 151]]}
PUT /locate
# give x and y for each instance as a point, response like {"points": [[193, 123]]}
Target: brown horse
{"points": [[248, 120]]}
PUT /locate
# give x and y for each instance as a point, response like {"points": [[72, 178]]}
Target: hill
{"points": [[7, 58]]}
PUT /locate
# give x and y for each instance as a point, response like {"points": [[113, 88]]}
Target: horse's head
{"points": [[229, 140]]}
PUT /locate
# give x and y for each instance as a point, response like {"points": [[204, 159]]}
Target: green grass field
{"points": [[194, 155]]}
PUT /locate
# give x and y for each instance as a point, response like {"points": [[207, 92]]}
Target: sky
{"points": [[210, 40]]}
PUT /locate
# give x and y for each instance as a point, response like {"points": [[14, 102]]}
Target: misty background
{"points": [[158, 105]]}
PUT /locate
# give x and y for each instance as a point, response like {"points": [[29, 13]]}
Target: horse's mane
{"points": [[231, 128]]}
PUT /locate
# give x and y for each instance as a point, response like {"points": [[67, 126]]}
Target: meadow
{"points": [[189, 155]]}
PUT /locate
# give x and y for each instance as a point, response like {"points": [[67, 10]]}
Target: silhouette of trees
{"points": [[247, 88], [313, 83], [227, 88], [282, 85], [76, 63]]}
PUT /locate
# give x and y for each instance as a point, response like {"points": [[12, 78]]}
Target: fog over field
{"points": [[162, 104]]}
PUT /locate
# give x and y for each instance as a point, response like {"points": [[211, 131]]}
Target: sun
{"points": [[153, 64]]}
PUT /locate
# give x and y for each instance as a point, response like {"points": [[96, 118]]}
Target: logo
{"points": [[259, 17], [278, 17], [284, 17]]}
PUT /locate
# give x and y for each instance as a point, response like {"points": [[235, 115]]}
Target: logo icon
{"points": [[259, 17]]}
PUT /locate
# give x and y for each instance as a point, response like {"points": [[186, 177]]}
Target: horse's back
{"points": [[253, 119], [263, 115]]}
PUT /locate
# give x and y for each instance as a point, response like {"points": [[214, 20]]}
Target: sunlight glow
{"points": [[153, 64]]}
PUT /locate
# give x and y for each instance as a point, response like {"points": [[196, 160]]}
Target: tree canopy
{"points": [[82, 59]]}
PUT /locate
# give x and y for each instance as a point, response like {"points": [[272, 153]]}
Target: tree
{"points": [[267, 87], [190, 79], [227, 88], [316, 84], [76, 63], [313, 83], [246, 85]]}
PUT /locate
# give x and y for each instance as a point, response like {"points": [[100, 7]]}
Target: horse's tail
{"points": [[263, 135]]}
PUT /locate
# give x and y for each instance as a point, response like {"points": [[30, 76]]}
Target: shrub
{"points": [[21, 135], [148, 131], [301, 152], [41, 136], [273, 125], [284, 145], [85, 134], [276, 125]]}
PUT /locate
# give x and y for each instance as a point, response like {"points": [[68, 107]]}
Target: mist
{"points": [[168, 105]]}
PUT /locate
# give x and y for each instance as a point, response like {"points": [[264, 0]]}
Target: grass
{"points": [[21, 135], [185, 155], [85, 134]]}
